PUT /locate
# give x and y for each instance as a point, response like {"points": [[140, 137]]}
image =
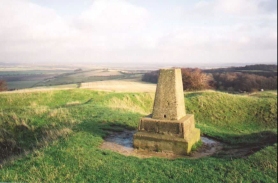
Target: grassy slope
{"points": [[229, 117], [80, 117]]}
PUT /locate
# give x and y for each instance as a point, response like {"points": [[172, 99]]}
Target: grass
{"points": [[227, 116], [133, 103], [55, 136]]}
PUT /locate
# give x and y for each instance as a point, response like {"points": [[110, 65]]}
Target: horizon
{"points": [[133, 66]]}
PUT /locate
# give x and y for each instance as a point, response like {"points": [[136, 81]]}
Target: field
{"points": [[24, 78], [18, 78], [127, 85], [55, 136]]}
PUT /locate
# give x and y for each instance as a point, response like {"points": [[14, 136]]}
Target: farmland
{"points": [[19, 79], [22, 79]]}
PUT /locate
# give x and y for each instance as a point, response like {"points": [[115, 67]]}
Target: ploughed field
{"points": [[56, 136]]}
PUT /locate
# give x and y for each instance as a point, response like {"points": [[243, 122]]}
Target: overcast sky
{"points": [[138, 31]]}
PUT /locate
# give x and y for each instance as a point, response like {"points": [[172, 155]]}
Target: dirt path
{"points": [[122, 142]]}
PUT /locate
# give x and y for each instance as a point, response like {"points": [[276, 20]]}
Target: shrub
{"points": [[3, 85]]}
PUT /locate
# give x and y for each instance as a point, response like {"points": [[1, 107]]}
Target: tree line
{"points": [[267, 70], [241, 79], [240, 82]]}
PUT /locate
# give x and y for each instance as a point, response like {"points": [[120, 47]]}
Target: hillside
{"points": [[18, 78], [54, 136]]}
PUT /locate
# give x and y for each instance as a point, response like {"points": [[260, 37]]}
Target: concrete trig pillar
{"points": [[169, 98], [169, 128]]}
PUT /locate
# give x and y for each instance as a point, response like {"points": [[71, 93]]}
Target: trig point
{"points": [[169, 128]]}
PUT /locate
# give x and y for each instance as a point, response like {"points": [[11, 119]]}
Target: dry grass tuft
{"points": [[73, 103], [61, 114], [40, 110], [130, 105]]}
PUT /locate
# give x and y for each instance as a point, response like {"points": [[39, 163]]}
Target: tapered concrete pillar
{"points": [[169, 128], [169, 98]]}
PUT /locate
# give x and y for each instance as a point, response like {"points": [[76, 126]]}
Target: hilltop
{"points": [[55, 135]]}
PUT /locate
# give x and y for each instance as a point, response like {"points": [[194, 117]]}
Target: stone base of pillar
{"points": [[176, 136]]}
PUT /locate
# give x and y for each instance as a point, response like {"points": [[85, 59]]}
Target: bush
{"points": [[197, 79], [3, 85], [193, 79], [151, 77]]}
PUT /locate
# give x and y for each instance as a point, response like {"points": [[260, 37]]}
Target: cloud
{"points": [[112, 24], [35, 33], [119, 16], [240, 29], [118, 31], [238, 7], [24, 20], [29, 32]]}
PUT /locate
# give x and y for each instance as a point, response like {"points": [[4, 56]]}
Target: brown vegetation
{"points": [[234, 79], [3, 85], [195, 79]]}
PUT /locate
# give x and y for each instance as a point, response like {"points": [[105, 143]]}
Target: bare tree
{"points": [[195, 79], [3, 85]]}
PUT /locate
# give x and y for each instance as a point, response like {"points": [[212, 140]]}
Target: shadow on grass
{"points": [[240, 146], [23, 139], [258, 138], [236, 146], [18, 139], [100, 121], [193, 94], [109, 120]]}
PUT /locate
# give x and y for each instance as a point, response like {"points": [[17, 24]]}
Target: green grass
{"points": [[60, 133], [231, 117]]}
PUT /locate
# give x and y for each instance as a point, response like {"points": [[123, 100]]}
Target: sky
{"points": [[134, 32]]}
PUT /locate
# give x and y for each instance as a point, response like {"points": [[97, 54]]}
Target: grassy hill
{"points": [[54, 136]]}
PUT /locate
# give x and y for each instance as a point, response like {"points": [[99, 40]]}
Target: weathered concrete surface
{"points": [[168, 129], [177, 128], [167, 136], [169, 98]]}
